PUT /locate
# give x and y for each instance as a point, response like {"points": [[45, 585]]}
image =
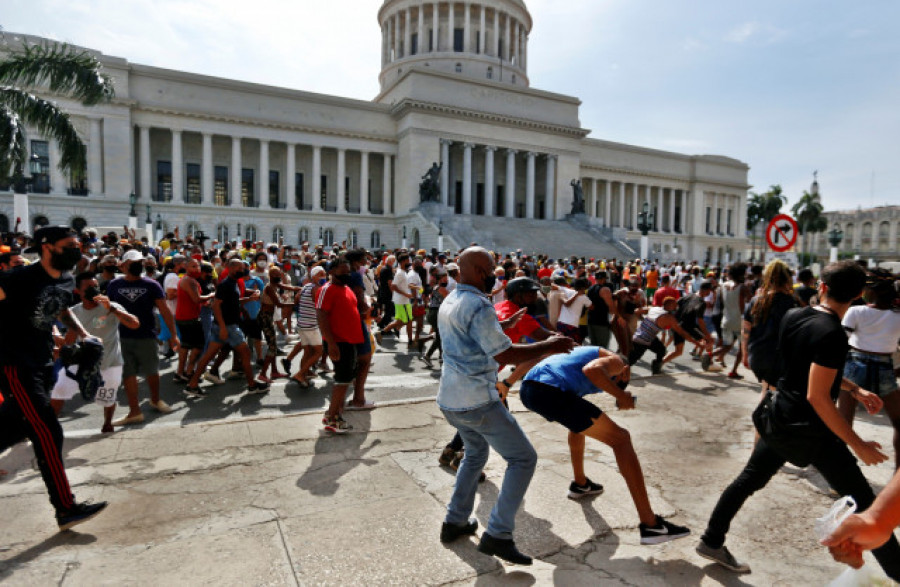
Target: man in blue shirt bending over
{"points": [[474, 346], [555, 389]]}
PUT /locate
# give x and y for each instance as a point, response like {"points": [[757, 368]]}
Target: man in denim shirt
{"points": [[474, 346]]}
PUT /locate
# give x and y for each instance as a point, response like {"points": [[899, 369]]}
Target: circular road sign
{"points": [[781, 234]]}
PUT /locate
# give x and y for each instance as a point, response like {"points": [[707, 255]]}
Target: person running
{"points": [[310, 338], [32, 298], [555, 389], [402, 301], [762, 322], [874, 331], [474, 346], [656, 320], [735, 296], [270, 301], [801, 424]]}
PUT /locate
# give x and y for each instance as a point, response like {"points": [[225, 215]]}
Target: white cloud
{"points": [[756, 32]]}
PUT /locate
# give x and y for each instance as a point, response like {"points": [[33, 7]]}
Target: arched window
{"points": [[375, 241], [304, 235], [222, 233], [352, 239], [191, 229], [40, 220], [4, 223], [459, 68], [79, 223], [277, 234], [250, 233], [328, 237]]}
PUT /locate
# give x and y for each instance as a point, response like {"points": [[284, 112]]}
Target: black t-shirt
{"points": [[33, 301], [808, 336], [805, 292], [598, 313], [762, 342], [385, 276], [229, 296], [690, 311]]}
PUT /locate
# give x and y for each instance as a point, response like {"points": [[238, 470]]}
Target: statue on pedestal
{"points": [[430, 188], [578, 197]]}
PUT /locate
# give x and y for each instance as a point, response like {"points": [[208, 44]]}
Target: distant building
{"points": [[871, 233], [247, 161]]}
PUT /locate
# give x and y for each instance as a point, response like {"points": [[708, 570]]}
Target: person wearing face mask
{"points": [[310, 339], [658, 319], [402, 301], [474, 346], [190, 299], [140, 296], [108, 267], [602, 305], [270, 300], [101, 318], [260, 267], [32, 299]]}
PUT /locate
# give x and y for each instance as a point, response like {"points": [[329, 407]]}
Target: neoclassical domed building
{"points": [[248, 161]]}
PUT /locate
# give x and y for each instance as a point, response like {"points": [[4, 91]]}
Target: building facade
{"points": [[871, 233], [248, 161]]}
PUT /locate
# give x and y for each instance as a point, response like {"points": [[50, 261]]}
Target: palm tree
{"points": [[754, 217], [808, 213], [761, 208], [57, 69]]}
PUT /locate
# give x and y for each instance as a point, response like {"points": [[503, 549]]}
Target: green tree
{"points": [[55, 69], [761, 208], [808, 214]]}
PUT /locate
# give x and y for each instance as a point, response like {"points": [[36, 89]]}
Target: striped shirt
{"points": [[648, 328], [306, 309]]}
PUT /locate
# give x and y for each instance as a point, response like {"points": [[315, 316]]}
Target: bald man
{"points": [[474, 346]]}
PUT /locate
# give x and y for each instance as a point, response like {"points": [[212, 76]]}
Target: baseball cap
{"points": [[521, 285], [49, 235], [132, 255], [452, 267]]}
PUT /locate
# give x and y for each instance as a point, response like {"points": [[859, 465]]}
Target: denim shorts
{"points": [[235, 335], [873, 373]]}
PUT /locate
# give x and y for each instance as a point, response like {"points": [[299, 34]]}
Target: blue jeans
{"points": [[491, 426]]}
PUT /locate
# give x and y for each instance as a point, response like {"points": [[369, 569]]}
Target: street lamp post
{"points": [[440, 243], [132, 213], [835, 236], [159, 230], [645, 223], [404, 237], [148, 228]]}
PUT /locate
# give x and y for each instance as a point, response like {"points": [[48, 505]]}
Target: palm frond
{"points": [[19, 109], [61, 69]]}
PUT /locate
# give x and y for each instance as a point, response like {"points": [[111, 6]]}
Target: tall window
{"points": [[247, 196], [163, 181], [414, 44], [220, 186], [222, 233], [719, 221], [376, 239], [40, 153], [323, 192], [4, 223], [490, 73], [352, 239], [273, 189], [277, 234], [431, 40], [250, 233], [708, 220], [298, 191], [328, 237], [728, 223], [304, 235], [347, 194], [458, 40], [192, 184], [40, 220], [192, 229]]}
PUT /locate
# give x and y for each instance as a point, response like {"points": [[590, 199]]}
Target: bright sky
{"points": [[787, 87]]}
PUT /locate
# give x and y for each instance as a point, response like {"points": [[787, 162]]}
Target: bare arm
{"points": [[523, 353], [129, 321], [598, 372], [72, 324]]}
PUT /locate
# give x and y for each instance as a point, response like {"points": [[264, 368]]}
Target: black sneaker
{"points": [[503, 548], [656, 367], [179, 378], [663, 531], [78, 513], [590, 488], [723, 557], [258, 387], [447, 456], [286, 364], [450, 532], [194, 391]]}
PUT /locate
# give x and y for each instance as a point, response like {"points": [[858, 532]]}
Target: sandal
{"points": [[302, 382]]}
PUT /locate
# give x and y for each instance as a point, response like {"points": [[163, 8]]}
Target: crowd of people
{"points": [[566, 328]]}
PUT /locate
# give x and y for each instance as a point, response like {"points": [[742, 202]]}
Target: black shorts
{"points": [[251, 329], [695, 332], [558, 405], [190, 332], [345, 367]]}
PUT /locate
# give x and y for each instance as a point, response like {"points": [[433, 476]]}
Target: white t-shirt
{"points": [[171, 282], [400, 282], [571, 315], [414, 282], [875, 331]]}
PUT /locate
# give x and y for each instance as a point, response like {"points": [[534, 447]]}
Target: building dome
{"points": [[483, 40]]}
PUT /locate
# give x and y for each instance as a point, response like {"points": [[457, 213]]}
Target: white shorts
{"points": [[310, 337], [729, 337], [66, 388]]}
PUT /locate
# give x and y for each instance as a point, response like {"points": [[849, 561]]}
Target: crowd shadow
{"points": [[335, 455], [9, 565]]}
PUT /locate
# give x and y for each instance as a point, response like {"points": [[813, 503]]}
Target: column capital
{"points": [[176, 131], [511, 152], [532, 154], [490, 149], [447, 142], [469, 145], [552, 157], [206, 134]]}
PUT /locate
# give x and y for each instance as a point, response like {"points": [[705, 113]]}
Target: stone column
{"points": [[684, 214], [146, 184], [524, 48], [635, 206], [607, 220], [206, 171], [507, 22], [467, 179], [529, 184], [445, 171], [467, 30], [386, 185], [422, 44], [482, 33], [236, 168], [177, 168], [621, 204], [384, 43], [450, 26], [395, 26], [510, 191], [490, 190], [494, 52], [407, 33], [290, 180], [95, 159], [659, 208], [550, 197], [264, 175], [671, 227], [364, 179], [341, 173], [595, 197], [316, 179], [435, 26]]}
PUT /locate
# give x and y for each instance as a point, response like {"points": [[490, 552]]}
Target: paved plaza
{"points": [[249, 491]]}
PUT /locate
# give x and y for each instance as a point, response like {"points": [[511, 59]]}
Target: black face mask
{"points": [[275, 280], [66, 260], [489, 282], [135, 269], [343, 279], [150, 269], [90, 293]]}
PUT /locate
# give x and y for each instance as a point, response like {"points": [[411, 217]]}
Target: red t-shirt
{"points": [[663, 293], [545, 272], [339, 302], [524, 327]]}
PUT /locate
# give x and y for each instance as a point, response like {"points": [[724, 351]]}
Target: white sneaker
{"points": [[161, 407], [213, 378]]}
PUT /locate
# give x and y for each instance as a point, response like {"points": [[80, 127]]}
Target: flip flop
{"points": [[302, 382], [369, 405]]}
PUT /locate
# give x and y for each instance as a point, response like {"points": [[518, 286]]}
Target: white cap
{"points": [[132, 255]]}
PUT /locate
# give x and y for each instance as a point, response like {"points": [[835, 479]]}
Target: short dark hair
{"points": [[82, 277], [845, 280], [356, 255], [581, 283], [804, 275], [402, 257], [600, 275]]}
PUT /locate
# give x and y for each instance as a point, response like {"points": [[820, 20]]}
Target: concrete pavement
{"points": [[271, 500]]}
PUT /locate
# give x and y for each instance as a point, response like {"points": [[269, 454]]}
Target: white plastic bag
{"points": [[870, 575], [839, 512]]}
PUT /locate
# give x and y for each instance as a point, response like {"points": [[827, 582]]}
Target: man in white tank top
{"points": [[735, 296]]}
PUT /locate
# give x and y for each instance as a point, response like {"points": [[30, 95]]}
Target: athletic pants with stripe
{"points": [[26, 413]]}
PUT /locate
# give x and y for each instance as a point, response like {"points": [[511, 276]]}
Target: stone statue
{"points": [[430, 188], [578, 197]]}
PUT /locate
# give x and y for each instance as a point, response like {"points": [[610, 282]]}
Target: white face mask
{"points": [[261, 265]]}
